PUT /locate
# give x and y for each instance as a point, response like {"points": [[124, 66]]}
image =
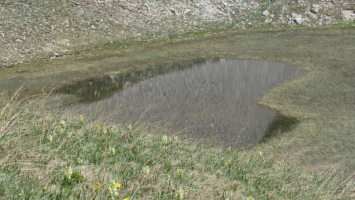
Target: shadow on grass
{"points": [[278, 126]]}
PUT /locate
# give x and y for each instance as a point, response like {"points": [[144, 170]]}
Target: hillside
{"points": [[49, 29]]}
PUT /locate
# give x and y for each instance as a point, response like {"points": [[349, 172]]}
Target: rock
{"points": [[314, 9], [297, 18], [266, 13]]}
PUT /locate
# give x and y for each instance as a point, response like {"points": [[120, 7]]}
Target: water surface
{"points": [[210, 99]]}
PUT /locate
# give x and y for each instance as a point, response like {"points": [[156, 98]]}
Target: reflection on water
{"points": [[214, 99]]}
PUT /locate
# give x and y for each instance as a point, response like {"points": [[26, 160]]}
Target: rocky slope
{"points": [[49, 29]]}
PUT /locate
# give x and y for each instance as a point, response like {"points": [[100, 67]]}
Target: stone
{"points": [[314, 9], [297, 18], [266, 13]]}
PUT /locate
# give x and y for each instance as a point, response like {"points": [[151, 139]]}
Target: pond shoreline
{"points": [[322, 99]]}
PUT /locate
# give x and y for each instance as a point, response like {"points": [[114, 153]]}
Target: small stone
{"points": [[266, 13], [314, 9]]}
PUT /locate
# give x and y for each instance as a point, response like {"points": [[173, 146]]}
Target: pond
{"points": [[208, 99]]}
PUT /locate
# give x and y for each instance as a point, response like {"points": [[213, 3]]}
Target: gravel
{"points": [[35, 29]]}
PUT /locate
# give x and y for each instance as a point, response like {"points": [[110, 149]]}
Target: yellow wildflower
{"points": [[80, 161], [112, 151], [44, 189], [50, 138], [229, 162], [146, 170], [180, 193], [129, 127], [126, 198], [118, 185], [180, 172], [81, 119], [68, 172], [62, 123], [98, 184], [113, 189], [165, 138]]}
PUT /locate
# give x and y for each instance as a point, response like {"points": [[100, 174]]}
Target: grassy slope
{"points": [[314, 160], [38, 147]]}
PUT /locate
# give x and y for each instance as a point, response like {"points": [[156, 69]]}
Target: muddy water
{"points": [[210, 99]]}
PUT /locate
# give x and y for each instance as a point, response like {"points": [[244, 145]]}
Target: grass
{"points": [[56, 155], [313, 160]]}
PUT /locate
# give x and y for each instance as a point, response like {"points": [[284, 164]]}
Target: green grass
{"points": [[53, 155]]}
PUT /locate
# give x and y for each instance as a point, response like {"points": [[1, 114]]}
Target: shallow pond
{"points": [[210, 99]]}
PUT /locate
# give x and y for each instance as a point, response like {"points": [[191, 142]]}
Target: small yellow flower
{"points": [[103, 130], [44, 189], [180, 172], [113, 189], [126, 198], [112, 151], [118, 185], [80, 161], [81, 119], [98, 185], [180, 193], [165, 138], [62, 123], [50, 138], [111, 130], [129, 127], [146, 170], [229, 162], [68, 172]]}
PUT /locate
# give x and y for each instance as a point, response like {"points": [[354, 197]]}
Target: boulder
{"points": [[297, 18]]}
